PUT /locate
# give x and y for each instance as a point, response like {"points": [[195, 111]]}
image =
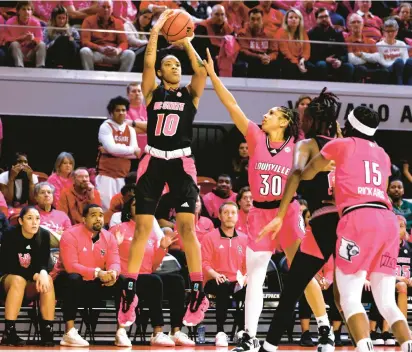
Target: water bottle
{"points": [[201, 334]]}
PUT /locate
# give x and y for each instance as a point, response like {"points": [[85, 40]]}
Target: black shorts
{"points": [[154, 173]]}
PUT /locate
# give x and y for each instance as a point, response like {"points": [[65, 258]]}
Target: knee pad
{"points": [[383, 290]]}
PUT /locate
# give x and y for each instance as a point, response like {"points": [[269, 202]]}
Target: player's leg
{"points": [[402, 291]]}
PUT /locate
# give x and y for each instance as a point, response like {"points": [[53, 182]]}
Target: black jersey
{"points": [[320, 188], [403, 267], [170, 117]]}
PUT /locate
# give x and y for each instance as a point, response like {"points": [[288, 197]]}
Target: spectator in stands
{"points": [[137, 40], [244, 201], [300, 105], [284, 6], [404, 21], [152, 288], [43, 9], [74, 199], [365, 66], [62, 44], [216, 26], [87, 271], [400, 206], [118, 146], [326, 59], [221, 194], [17, 184], [239, 167], [137, 114], [223, 256], [125, 10], [395, 59], [79, 10], [307, 9], [2, 42], [25, 45], [236, 14], [53, 220], [336, 19], [259, 53], [303, 205], [62, 177], [104, 47], [24, 258], [294, 54], [272, 18], [199, 10], [372, 24]]}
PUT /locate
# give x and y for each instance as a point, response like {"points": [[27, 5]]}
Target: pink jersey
{"points": [[223, 254], [269, 164], [242, 224], [59, 184], [153, 254], [54, 220], [139, 114], [362, 171], [213, 202]]}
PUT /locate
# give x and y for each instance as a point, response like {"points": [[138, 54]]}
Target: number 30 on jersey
{"points": [[271, 185]]}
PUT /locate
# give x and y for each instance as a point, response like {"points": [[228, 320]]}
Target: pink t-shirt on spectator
{"points": [[213, 202], [43, 9], [12, 33], [125, 9], [55, 220], [59, 184], [78, 4], [2, 30], [362, 171], [139, 114]]}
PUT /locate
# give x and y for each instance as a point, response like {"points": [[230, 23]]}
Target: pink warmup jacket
{"points": [[78, 253], [223, 254], [213, 202]]}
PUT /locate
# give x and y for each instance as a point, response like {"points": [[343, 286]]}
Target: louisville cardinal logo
{"points": [[25, 260], [348, 249]]}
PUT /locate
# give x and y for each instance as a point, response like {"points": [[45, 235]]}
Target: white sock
{"points": [[269, 347], [323, 320], [407, 346], [364, 345]]}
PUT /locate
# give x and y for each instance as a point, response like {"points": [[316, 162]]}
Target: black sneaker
{"points": [[326, 340], [377, 339], [338, 339], [246, 343], [306, 339], [388, 339], [47, 337], [10, 338]]}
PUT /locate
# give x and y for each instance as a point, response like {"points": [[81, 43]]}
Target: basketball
{"points": [[179, 26]]}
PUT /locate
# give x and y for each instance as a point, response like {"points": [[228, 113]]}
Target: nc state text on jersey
{"points": [[169, 105]]}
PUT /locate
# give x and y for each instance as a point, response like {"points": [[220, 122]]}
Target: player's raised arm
{"points": [[149, 71], [228, 100]]}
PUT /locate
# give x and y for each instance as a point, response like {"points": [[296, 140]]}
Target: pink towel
{"points": [[227, 55]]}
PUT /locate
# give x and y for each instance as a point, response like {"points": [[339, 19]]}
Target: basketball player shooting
{"points": [[171, 110]]}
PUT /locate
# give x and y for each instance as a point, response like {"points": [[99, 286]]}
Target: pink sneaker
{"points": [[194, 318], [127, 314]]}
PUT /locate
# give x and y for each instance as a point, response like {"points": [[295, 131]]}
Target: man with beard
{"points": [[326, 59], [400, 206], [75, 198], [221, 194], [87, 271]]}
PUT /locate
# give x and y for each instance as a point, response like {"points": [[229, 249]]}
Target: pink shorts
{"points": [[293, 228], [368, 239]]}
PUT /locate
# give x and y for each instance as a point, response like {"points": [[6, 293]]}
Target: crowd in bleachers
{"points": [[364, 41]]}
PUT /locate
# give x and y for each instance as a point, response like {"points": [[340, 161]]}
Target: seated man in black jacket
{"points": [[328, 58]]}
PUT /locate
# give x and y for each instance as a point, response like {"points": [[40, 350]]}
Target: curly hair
{"points": [[365, 115], [292, 130], [322, 110]]}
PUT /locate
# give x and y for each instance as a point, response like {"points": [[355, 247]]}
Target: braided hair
{"points": [[322, 110], [292, 130]]}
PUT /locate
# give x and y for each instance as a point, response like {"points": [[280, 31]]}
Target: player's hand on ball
{"points": [[182, 42], [162, 19], [273, 227], [209, 65]]}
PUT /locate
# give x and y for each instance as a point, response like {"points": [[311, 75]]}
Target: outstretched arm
{"points": [[227, 99], [149, 73]]}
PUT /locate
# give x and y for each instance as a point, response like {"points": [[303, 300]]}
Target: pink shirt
{"points": [[223, 254], [78, 4], [362, 171], [309, 19], [59, 184], [284, 5], [43, 9], [242, 224], [2, 30], [153, 254], [125, 9], [78, 253], [213, 202], [267, 172], [12, 33], [55, 220], [202, 227], [139, 114]]}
